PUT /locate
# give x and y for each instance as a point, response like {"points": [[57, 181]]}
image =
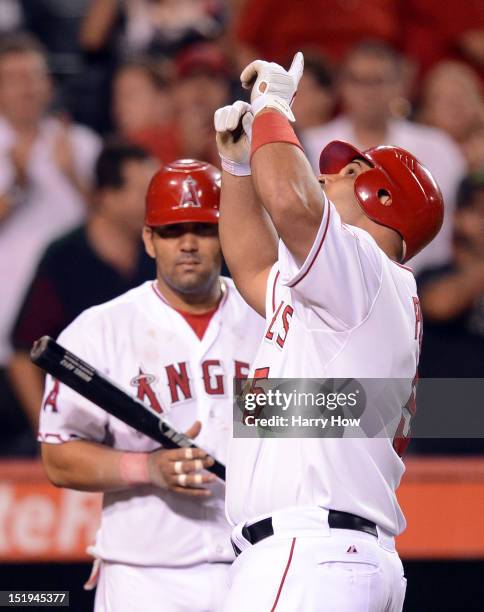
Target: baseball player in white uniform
{"points": [[315, 518], [176, 343]]}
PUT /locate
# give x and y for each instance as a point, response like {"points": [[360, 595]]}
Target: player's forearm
{"points": [[248, 239], [289, 192], [28, 382], [89, 466], [83, 465]]}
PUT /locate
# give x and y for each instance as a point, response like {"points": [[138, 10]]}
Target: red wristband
{"points": [[133, 468], [272, 127]]}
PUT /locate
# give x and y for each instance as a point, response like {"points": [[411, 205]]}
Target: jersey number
{"points": [[259, 374], [282, 324]]}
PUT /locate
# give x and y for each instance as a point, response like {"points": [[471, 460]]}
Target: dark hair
{"points": [[109, 165], [154, 70], [377, 48], [21, 42], [320, 69], [468, 187]]}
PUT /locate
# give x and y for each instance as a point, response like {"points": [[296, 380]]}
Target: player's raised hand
{"points": [[182, 469], [272, 85], [233, 126]]}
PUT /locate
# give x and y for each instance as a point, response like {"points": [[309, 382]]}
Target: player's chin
{"points": [[191, 280]]}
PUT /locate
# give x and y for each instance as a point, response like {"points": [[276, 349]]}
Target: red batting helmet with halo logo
{"points": [[185, 191], [416, 209]]}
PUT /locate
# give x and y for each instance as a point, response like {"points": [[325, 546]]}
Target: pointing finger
{"points": [[297, 67]]}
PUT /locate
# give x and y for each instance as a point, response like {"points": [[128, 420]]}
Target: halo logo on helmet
{"points": [[415, 209], [189, 197], [185, 191]]}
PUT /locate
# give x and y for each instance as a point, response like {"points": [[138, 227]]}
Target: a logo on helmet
{"points": [[189, 195]]}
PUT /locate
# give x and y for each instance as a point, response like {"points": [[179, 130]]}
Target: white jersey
{"points": [[348, 311], [148, 348]]}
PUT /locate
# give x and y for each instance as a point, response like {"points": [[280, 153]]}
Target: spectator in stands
{"points": [[81, 78], [143, 108], [372, 83], [276, 29], [58, 30], [452, 300], [173, 117], [92, 264], [11, 16], [452, 295], [45, 172], [315, 100], [452, 100], [155, 27], [202, 86], [433, 30]]}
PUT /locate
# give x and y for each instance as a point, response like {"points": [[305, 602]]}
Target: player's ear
{"points": [[147, 236]]}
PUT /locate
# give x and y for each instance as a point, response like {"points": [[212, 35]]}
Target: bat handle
{"points": [[218, 469]]}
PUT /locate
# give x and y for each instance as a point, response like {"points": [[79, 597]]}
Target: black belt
{"points": [[336, 520]]}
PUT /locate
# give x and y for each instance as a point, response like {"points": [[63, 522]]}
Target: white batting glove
{"points": [[233, 125], [274, 86]]}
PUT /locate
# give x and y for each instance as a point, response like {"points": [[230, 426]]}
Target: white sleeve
{"points": [[65, 415], [272, 291], [341, 276]]}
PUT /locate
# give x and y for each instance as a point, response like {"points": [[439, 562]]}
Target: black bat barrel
{"points": [[99, 389]]}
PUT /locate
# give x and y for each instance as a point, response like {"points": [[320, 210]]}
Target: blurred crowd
{"points": [[96, 94]]}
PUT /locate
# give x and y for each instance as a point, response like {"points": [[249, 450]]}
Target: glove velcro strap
{"points": [[271, 101], [235, 168], [272, 127]]}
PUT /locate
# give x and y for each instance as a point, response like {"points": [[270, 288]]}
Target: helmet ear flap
{"points": [[374, 192], [415, 207]]}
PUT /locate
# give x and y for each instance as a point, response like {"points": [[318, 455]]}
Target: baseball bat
{"points": [[69, 369]]}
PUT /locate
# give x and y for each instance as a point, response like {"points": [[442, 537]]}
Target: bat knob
{"points": [[39, 347]]}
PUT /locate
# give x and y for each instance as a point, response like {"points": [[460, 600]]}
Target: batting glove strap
{"points": [[234, 168], [268, 101]]}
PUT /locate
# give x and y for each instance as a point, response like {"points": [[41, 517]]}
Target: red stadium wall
{"points": [[443, 500], [39, 522]]}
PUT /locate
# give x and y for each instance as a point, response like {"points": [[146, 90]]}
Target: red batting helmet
{"points": [[416, 210], [184, 191]]}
